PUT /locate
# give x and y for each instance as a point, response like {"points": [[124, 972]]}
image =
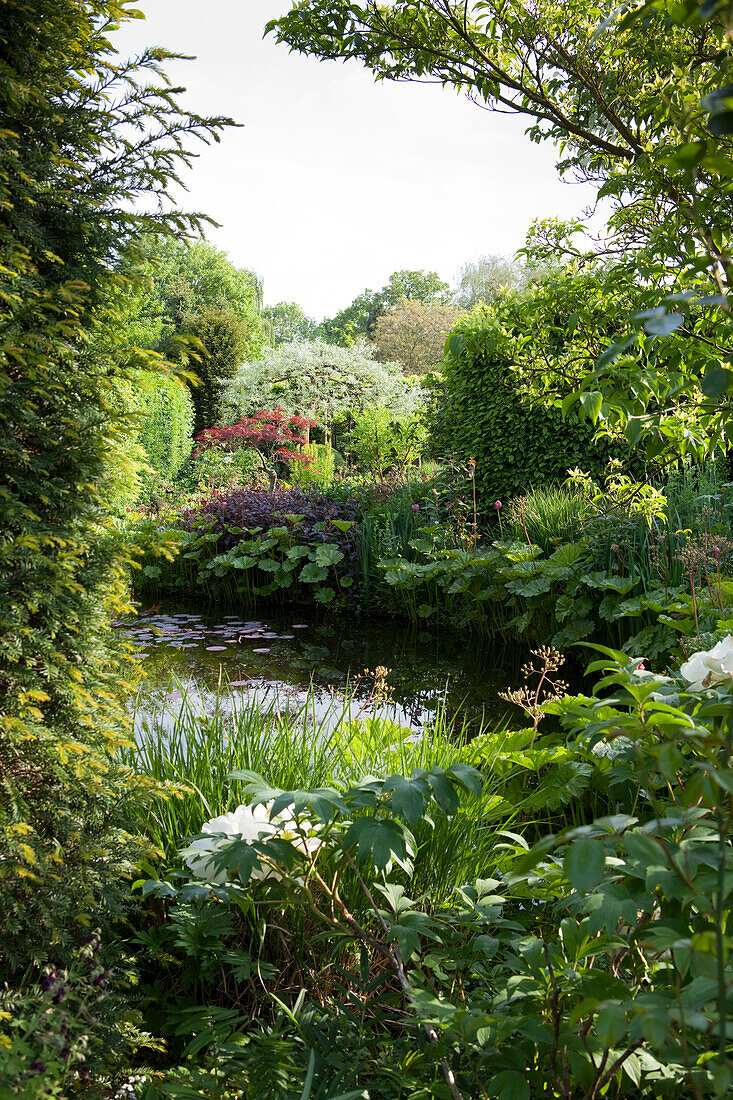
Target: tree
{"points": [[271, 434], [482, 279], [360, 317], [226, 339], [85, 135], [196, 276], [414, 334], [318, 379], [197, 308], [286, 321], [596, 95], [639, 102]]}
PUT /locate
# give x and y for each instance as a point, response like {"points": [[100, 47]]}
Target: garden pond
{"points": [[197, 655]]}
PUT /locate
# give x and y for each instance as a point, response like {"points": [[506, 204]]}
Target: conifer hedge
{"points": [[70, 162], [166, 432]]}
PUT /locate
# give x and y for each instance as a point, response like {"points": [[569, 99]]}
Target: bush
{"points": [[517, 443], [590, 946], [215, 469], [386, 442], [549, 516], [166, 433], [316, 378], [319, 471], [69, 160], [249, 543]]}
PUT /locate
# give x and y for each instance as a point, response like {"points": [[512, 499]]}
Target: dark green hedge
{"points": [[517, 442], [166, 433], [69, 160]]}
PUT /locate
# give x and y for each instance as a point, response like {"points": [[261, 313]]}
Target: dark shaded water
{"points": [[282, 653]]}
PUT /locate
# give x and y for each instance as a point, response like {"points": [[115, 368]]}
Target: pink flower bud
{"points": [[716, 553], [497, 505], [416, 507]]}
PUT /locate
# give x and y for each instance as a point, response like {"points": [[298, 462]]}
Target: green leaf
{"points": [[716, 380], [312, 573], [383, 840], [591, 403], [664, 325], [584, 863], [510, 1084], [467, 776], [443, 792], [328, 554], [611, 1025], [409, 796], [721, 123]]}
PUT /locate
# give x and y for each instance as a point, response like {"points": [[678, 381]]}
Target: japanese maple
{"points": [[274, 434]]}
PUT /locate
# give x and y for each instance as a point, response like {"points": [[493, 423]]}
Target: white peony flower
{"points": [[710, 667], [248, 823]]}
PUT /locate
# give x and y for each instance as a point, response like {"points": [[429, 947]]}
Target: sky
{"points": [[334, 181]]}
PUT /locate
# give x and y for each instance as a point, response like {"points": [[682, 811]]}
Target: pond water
{"points": [[198, 654]]}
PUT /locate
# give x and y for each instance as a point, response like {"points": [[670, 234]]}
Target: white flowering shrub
{"points": [[315, 378]]}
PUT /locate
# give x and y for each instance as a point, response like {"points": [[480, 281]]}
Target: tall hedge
{"points": [[166, 433], [69, 162], [517, 442]]}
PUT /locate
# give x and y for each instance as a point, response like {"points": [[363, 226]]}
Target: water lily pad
{"points": [[215, 648], [260, 651], [299, 626]]}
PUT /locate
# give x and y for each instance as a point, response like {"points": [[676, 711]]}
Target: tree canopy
{"points": [[360, 317], [480, 280], [318, 379], [286, 321], [637, 98], [196, 307], [414, 334]]}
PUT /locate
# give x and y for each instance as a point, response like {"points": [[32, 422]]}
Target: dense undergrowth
{"points": [[631, 566], [242, 902], [509, 915]]}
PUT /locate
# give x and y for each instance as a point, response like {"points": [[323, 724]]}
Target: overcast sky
{"points": [[334, 181]]}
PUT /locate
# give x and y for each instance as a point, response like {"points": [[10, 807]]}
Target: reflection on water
{"points": [[275, 659]]}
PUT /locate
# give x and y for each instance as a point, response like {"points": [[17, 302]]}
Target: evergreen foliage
{"points": [[166, 433], [199, 310], [83, 135], [225, 341]]}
